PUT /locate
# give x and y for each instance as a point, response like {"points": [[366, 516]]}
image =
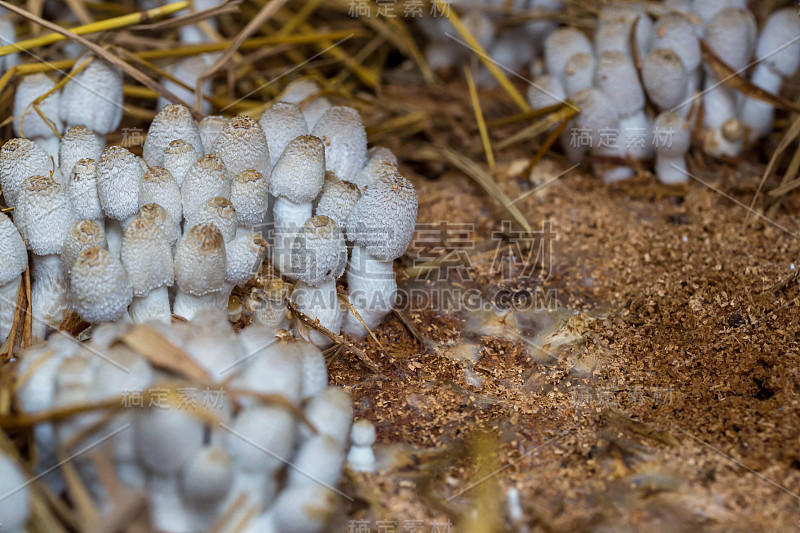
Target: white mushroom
{"points": [[578, 73], [672, 133], [118, 177], [93, 98], [250, 199], [281, 123], [81, 189], [209, 128], [302, 93], [207, 178], [83, 234], [173, 122], [674, 32], [242, 145], [179, 156], [244, 256], [20, 159], [28, 122], [79, 142], [205, 481], [147, 257], [218, 211], [598, 115], [345, 140], [100, 289], [337, 199], [560, 46], [159, 187], [361, 458], [199, 269], [665, 79], [13, 262]]}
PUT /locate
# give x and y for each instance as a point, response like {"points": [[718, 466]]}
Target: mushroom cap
{"points": [[99, 287], [159, 215], [781, 28], [27, 120], [376, 156], [261, 428], [708, 9], [562, 44], [664, 77], [363, 433], [598, 112], [319, 253], [732, 34], [43, 215], [209, 128], [118, 177], [179, 156], [677, 130], [546, 90], [20, 159], [631, 15], [337, 199], [159, 187], [250, 197], [618, 78], [612, 34], [242, 145], [331, 412], [165, 439], [218, 211], [301, 92], [578, 73], [345, 140], [200, 260], [147, 256], [383, 220], [78, 143], [172, 122], [208, 476], [244, 256], [281, 123], [300, 172], [673, 32], [83, 234], [206, 179], [13, 255], [93, 98]]}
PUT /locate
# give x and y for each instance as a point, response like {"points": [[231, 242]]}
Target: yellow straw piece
{"points": [[476, 105]]}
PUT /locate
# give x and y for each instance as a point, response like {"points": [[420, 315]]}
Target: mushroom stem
{"points": [[8, 306], [372, 291], [153, 306], [288, 217], [167, 511], [187, 305], [49, 297], [758, 116]]}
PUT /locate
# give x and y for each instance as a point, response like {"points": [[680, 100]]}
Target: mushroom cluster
{"points": [[117, 236], [264, 451], [639, 52]]}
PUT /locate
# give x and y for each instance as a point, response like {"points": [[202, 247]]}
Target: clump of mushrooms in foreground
{"points": [[150, 249]]}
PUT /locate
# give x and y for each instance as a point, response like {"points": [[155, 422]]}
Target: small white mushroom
{"points": [[159, 187], [84, 234], [674, 32], [578, 73], [173, 122], [560, 46], [207, 178], [268, 305], [274, 364], [616, 24], [296, 181], [159, 215], [100, 289], [318, 461], [381, 226], [250, 199], [209, 128], [20, 159], [28, 122], [242, 145], [305, 509], [118, 177], [147, 257], [598, 115], [205, 482], [199, 269], [673, 136], [302, 93], [244, 255], [218, 211], [79, 142], [179, 156], [361, 458], [281, 123], [665, 79], [337, 199], [345, 140], [81, 189], [331, 413], [13, 262], [93, 98]]}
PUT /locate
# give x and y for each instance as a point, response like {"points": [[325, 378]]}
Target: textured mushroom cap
{"points": [[383, 220], [99, 287], [249, 196], [300, 92], [208, 476], [578, 73], [78, 143], [561, 45], [159, 187], [597, 112], [376, 156], [158, 214], [617, 77], [209, 128], [675, 33], [200, 260], [179, 156], [13, 255], [363, 433], [206, 178], [171, 123], [381, 153], [242, 145], [546, 90], [19, 160], [676, 129], [147, 256], [118, 177], [319, 253], [708, 9], [306, 508], [664, 77], [345, 139], [81, 189], [300, 172], [338, 199], [218, 211], [612, 34], [84, 234], [631, 15], [43, 215], [269, 428], [331, 412], [281, 123], [244, 254], [93, 98], [29, 89], [781, 28], [731, 34]]}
